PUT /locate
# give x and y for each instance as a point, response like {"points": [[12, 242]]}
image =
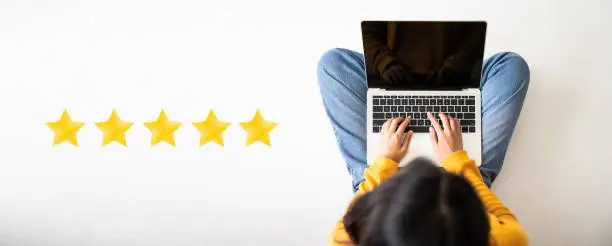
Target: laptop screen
{"points": [[423, 55]]}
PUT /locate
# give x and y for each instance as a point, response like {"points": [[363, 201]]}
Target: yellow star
{"points": [[162, 130], [258, 129], [211, 129], [114, 129], [65, 129]]}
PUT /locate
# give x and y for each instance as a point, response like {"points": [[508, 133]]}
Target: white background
{"points": [[234, 57]]}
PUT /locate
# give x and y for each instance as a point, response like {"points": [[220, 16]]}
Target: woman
{"points": [[423, 204]]}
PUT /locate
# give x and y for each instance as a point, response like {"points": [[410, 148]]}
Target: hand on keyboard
{"points": [[393, 144], [445, 140], [461, 107]]}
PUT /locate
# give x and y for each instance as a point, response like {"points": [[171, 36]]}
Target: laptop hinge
{"points": [[449, 89]]}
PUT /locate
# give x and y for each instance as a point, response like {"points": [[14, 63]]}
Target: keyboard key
{"points": [[451, 109], [472, 129], [457, 97], [397, 101], [389, 101], [419, 101], [472, 109], [403, 114], [387, 108], [395, 115], [411, 101], [420, 123], [472, 97], [393, 108], [376, 102], [379, 115], [378, 96], [470, 102], [417, 116], [393, 96], [429, 96], [464, 96], [423, 115], [446, 102], [465, 128], [413, 122], [439, 101], [376, 128], [461, 102], [388, 115], [444, 109], [459, 115], [468, 122], [378, 109], [425, 101], [436, 109], [400, 109], [453, 101], [379, 122], [457, 108], [469, 116], [421, 108], [429, 109], [415, 109], [387, 97], [404, 101], [465, 108], [383, 102]]}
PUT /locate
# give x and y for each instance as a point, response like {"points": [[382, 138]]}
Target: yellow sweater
{"points": [[505, 229]]}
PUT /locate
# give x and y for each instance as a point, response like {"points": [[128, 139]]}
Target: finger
{"points": [[445, 122], [393, 125], [402, 128], [458, 124], [385, 126], [434, 123], [407, 140], [433, 136], [459, 135], [455, 125]]}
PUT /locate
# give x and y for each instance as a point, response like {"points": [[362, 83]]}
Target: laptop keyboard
{"points": [[461, 107]]}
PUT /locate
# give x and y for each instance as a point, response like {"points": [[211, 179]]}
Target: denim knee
{"points": [[331, 62], [515, 64]]}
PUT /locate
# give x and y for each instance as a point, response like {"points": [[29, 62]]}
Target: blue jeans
{"points": [[342, 81]]}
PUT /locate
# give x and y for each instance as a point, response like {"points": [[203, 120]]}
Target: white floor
{"points": [[189, 56]]}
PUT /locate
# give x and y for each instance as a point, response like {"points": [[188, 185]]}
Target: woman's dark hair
{"points": [[420, 205]]}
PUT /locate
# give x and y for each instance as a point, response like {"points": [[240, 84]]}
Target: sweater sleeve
{"points": [[381, 169], [505, 229]]}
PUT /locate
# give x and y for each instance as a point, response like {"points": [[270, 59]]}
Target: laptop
{"points": [[415, 67]]}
